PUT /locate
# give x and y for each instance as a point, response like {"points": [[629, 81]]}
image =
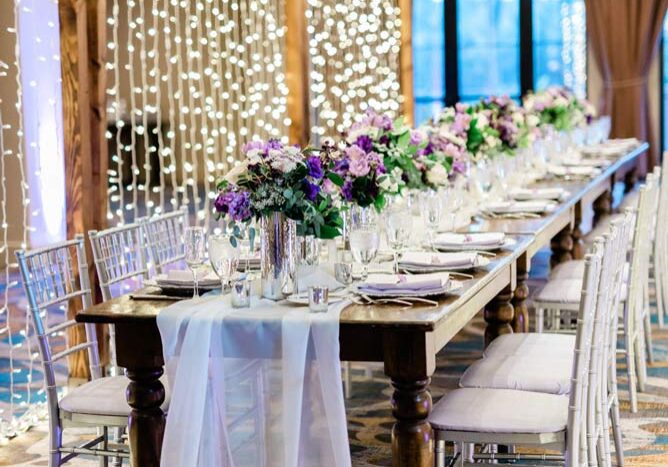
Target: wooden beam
{"points": [[406, 59], [82, 39], [296, 66]]}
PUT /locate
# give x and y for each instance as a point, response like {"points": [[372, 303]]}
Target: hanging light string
{"points": [[155, 33]]}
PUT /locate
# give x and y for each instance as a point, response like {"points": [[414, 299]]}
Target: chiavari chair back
{"points": [[164, 236], [122, 264], [55, 276]]}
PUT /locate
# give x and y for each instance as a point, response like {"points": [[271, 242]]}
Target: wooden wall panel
{"points": [[296, 71], [406, 59]]}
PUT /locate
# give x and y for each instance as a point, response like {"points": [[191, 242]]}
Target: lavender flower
{"points": [[314, 167]]}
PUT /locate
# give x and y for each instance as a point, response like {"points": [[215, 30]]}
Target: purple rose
{"points": [[359, 162], [311, 190], [365, 142], [314, 167], [347, 190]]}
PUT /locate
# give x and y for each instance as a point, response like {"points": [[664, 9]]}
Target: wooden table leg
{"points": [[139, 351], [521, 312], [602, 207], [630, 179], [409, 362], [562, 247], [499, 315]]}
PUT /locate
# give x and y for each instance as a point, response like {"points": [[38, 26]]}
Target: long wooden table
{"points": [[405, 340]]}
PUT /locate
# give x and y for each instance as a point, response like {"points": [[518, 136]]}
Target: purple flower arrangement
{"points": [[275, 177], [560, 108]]}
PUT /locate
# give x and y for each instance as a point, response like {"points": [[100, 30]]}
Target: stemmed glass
{"points": [[364, 238], [194, 240], [224, 258], [432, 209], [399, 225]]}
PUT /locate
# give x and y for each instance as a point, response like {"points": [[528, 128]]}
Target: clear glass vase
{"points": [[277, 256]]}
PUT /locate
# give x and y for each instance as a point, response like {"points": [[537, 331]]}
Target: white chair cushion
{"points": [[560, 291], [103, 396], [573, 269], [500, 411], [537, 373], [539, 345]]}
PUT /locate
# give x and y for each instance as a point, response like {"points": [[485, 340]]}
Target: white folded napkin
{"points": [[439, 260], [537, 206], [401, 283], [315, 276], [561, 170], [182, 277], [525, 194], [470, 239]]}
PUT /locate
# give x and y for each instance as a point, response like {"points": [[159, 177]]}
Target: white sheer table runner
{"points": [[253, 387]]}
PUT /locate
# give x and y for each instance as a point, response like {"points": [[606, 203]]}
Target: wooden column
{"points": [[296, 66], [82, 49], [406, 60], [521, 311]]}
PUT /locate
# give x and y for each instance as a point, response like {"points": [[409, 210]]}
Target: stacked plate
{"points": [[399, 285], [539, 206], [180, 283], [573, 171], [425, 261], [486, 241]]}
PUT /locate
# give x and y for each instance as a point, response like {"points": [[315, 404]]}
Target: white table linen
{"points": [[301, 409]]}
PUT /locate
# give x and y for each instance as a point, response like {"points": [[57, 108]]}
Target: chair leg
{"points": [[347, 381], [640, 355], [439, 453], [648, 337], [658, 290], [629, 354], [617, 431], [104, 432], [540, 319], [55, 441]]}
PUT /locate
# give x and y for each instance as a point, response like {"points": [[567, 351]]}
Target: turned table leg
{"points": [[412, 442], [577, 235], [521, 312], [602, 207], [562, 247], [630, 179], [409, 362], [139, 351], [499, 315]]}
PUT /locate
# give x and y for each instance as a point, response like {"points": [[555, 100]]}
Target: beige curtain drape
{"points": [[623, 35]]}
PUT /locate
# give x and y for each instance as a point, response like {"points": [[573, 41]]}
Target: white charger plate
{"points": [[480, 261], [450, 287], [467, 247]]}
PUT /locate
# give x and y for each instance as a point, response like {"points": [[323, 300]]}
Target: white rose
{"points": [[532, 120], [254, 156], [491, 141], [283, 164], [518, 118], [292, 152], [481, 122], [275, 154], [233, 175], [560, 102], [530, 103], [437, 175]]}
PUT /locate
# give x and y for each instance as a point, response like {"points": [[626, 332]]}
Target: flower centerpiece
{"points": [[282, 187], [379, 160], [515, 127], [471, 125], [560, 108], [443, 155]]}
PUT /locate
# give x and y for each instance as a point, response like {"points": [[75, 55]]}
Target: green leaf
{"points": [[335, 179], [404, 140], [233, 241]]}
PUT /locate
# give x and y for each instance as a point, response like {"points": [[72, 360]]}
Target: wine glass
{"points": [[399, 225], [364, 239], [431, 209], [194, 239], [224, 257]]}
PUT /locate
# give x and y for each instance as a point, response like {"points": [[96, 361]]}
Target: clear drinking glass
{"points": [[399, 226], [194, 239], [224, 258], [432, 210], [364, 238]]}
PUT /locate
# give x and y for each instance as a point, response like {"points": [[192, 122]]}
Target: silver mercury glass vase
{"points": [[277, 256]]}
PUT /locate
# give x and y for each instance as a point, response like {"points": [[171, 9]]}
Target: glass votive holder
{"points": [[318, 299], [343, 273], [240, 291]]}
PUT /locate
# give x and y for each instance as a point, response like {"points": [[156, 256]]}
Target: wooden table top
{"points": [[529, 234]]}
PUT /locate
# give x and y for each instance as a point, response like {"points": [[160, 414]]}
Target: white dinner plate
{"points": [[480, 261], [468, 247], [302, 298], [449, 288]]}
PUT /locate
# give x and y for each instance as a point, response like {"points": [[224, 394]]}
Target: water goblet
{"points": [[224, 258], [432, 209], [364, 242], [399, 225], [194, 239]]}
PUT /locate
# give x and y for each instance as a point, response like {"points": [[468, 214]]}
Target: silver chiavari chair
{"points": [[51, 277], [660, 262], [164, 236], [122, 264], [522, 418]]}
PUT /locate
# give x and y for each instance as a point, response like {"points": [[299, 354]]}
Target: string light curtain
{"points": [[354, 50], [189, 83], [31, 195]]}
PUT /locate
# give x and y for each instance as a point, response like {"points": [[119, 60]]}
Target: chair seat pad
{"points": [[537, 373], [500, 411], [574, 269], [560, 291], [539, 345], [102, 396]]}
